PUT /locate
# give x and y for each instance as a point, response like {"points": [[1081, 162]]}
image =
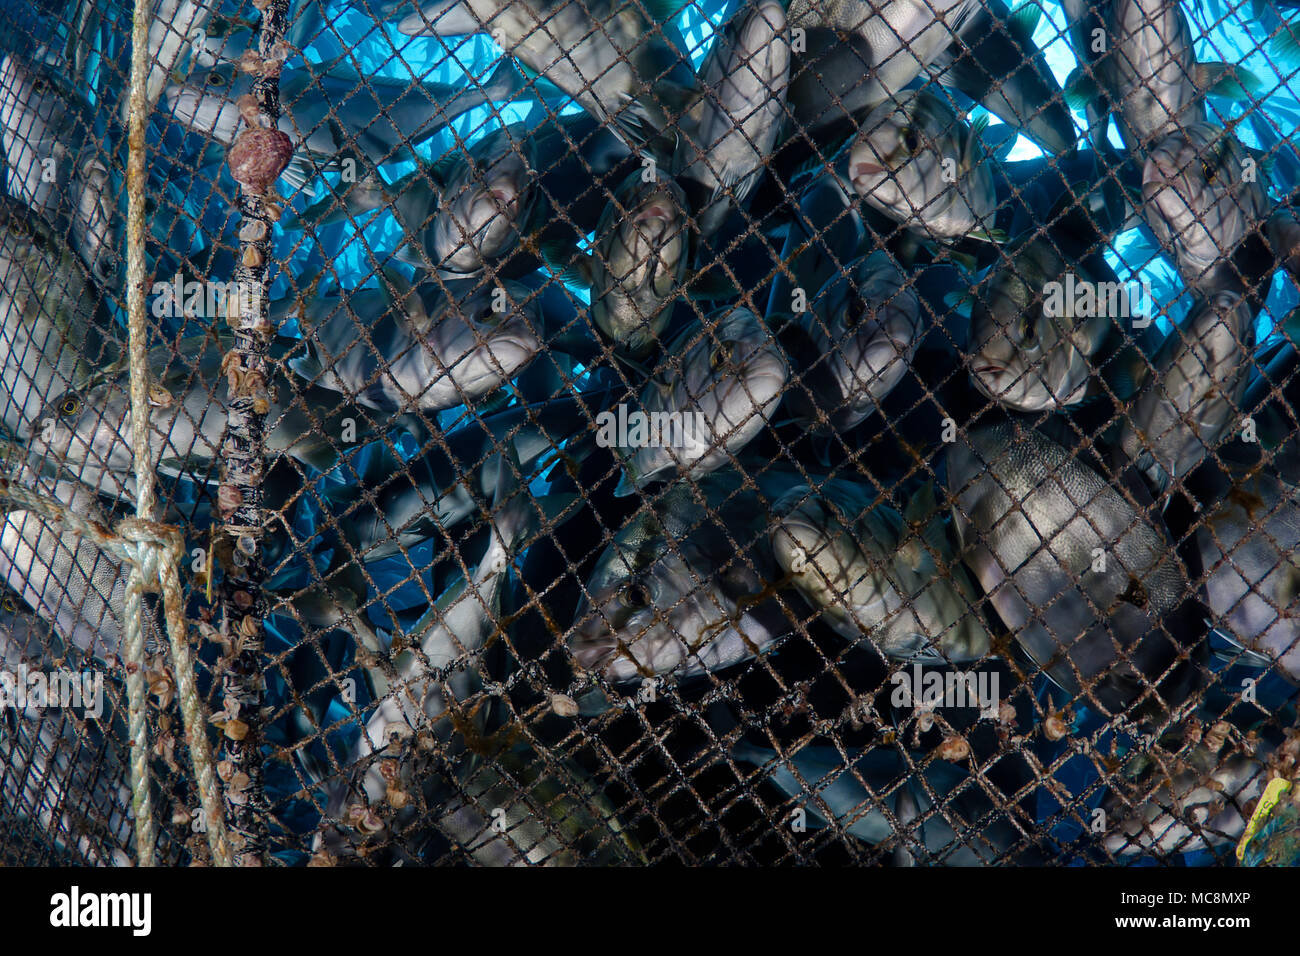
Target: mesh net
{"points": [[752, 433]]}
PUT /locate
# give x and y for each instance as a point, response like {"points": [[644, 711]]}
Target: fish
{"points": [[487, 203], [921, 166], [436, 667], [86, 432], [636, 269], [873, 578], [745, 76], [333, 114], [864, 326], [1183, 803], [865, 797], [995, 62], [902, 37], [66, 773], [73, 584], [54, 329], [682, 589], [1031, 352], [174, 28], [1248, 543], [1202, 204], [402, 348], [620, 65], [53, 163], [1147, 70], [1194, 397], [1036, 524], [714, 393]]}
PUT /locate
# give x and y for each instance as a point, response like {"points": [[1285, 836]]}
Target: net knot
{"points": [[152, 546]]}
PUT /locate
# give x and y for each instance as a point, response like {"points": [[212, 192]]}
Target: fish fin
{"points": [[409, 254], [1285, 44], [995, 236], [1080, 88], [1024, 21], [960, 301], [1240, 654], [625, 486], [1228, 80], [299, 173], [661, 11], [963, 260], [567, 262], [979, 125]]}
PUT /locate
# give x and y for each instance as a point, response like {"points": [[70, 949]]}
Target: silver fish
{"points": [[921, 166], [620, 66], [637, 265], [53, 328], [54, 165], [1034, 522], [1194, 397], [903, 36], [421, 349], [1249, 543], [871, 577], [332, 113], [1031, 350], [65, 774], [487, 203], [745, 75], [1201, 203], [866, 325], [1187, 802], [174, 28], [87, 431], [681, 589], [716, 392], [856, 797], [73, 584]]}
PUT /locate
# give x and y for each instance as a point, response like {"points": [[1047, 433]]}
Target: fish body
{"points": [[872, 577], [52, 320], [921, 166], [53, 164], [1201, 202], [745, 77], [682, 589], [619, 65], [1033, 521], [721, 381], [1249, 542], [1194, 398]]}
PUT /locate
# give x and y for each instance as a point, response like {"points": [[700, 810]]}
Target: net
{"points": [[612, 433]]}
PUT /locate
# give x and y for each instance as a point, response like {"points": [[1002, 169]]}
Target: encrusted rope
{"points": [[154, 550]]}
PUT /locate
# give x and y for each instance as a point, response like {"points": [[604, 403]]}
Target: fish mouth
{"points": [[862, 173], [591, 653]]}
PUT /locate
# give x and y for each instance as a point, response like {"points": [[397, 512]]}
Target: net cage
{"points": [[609, 433]]}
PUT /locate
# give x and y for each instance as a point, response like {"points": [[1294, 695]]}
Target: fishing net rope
{"points": [[605, 434]]}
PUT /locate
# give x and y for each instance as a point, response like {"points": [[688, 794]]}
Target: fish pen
{"points": [[629, 432]]}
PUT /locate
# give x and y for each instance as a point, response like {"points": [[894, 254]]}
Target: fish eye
{"points": [[9, 604], [1208, 172], [216, 79], [910, 139], [637, 596], [720, 356], [69, 406]]}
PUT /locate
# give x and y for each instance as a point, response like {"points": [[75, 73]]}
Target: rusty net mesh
{"points": [[733, 433]]}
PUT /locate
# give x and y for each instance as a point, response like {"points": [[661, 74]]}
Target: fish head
{"points": [[641, 253], [866, 322], [901, 161], [482, 340], [1196, 196], [1026, 356], [735, 370], [86, 430], [484, 205], [206, 103]]}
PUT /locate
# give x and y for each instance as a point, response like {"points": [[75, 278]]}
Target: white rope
{"points": [[154, 550]]}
